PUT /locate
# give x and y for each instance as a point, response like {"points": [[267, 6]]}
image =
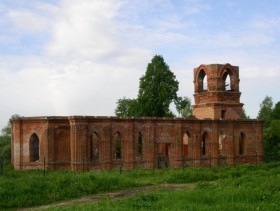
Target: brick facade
{"points": [[215, 135]]}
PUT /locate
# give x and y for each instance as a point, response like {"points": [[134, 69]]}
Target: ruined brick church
{"points": [[216, 134]]}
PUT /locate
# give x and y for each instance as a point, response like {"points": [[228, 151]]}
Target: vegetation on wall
{"points": [[157, 90]]}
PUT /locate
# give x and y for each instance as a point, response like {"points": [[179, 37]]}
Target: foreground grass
{"points": [[247, 187]]}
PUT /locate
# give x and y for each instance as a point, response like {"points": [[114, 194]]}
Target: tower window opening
{"points": [[202, 81], [226, 81]]}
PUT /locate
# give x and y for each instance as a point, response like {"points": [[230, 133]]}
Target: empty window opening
{"points": [[186, 139], [94, 147], [226, 81], [34, 148], [223, 114], [140, 143], [221, 138], [241, 144], [203, 144], [202, 81], [118, 147]]}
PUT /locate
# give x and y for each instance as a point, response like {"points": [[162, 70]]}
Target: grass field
{"points": [[247, 187]]}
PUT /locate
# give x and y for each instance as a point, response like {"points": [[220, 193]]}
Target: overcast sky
{"points": [[77, 57]]}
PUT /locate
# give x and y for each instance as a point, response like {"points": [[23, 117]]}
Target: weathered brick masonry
{"points": [[215, 135]]}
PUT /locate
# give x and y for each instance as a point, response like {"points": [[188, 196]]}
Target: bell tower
{"points": [[217, 94]]}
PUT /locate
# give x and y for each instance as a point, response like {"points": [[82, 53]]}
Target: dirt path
{"points": [[114, 195]]}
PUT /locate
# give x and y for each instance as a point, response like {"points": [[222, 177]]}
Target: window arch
{"points": [[202, 81], [226, 81], [220, 146], [203, 144], [118, 146], [94, 147], [241, 143], [186, 139], [34, 148]]}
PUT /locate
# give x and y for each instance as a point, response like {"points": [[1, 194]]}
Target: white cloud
{"points": [[85, 29], [28, 21]]}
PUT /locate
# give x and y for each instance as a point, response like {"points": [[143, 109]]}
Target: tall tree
{"points": [[5, 139], [244, 115], [157, 89], [271, 114], [266, 108], [272, 138], [183, 106], [276, 112], [126, 107]]}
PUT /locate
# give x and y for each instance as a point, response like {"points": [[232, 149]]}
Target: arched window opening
{"points": [[221, 138], [118, 147], [203, 144], [226, 81], [241, 143], [140, 143], [186, 139], [94, 147], [202, 81], [34, 148]]}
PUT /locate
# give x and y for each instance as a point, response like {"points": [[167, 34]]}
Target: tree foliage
{"points": [[272, 138], [244, 115], [157, 89], [276, 112], [126, 107], [5, 139], [183, 106], [266, 108], [271, 115]]}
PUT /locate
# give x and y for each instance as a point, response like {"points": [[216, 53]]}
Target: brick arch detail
{"points": [[226, 68], [34, 147], [201, 67], [98, 132], [234, 80], [198, 85]]}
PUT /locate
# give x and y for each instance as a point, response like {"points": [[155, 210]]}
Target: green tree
{"points": [[271, 114], [157, 89], [275, 115], [183, 106], [5, 139], [266, 108], [126, 107], [272, 138], [244, 115]]}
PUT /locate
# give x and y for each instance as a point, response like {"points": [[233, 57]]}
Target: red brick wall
{"points": [[64, 143]]}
